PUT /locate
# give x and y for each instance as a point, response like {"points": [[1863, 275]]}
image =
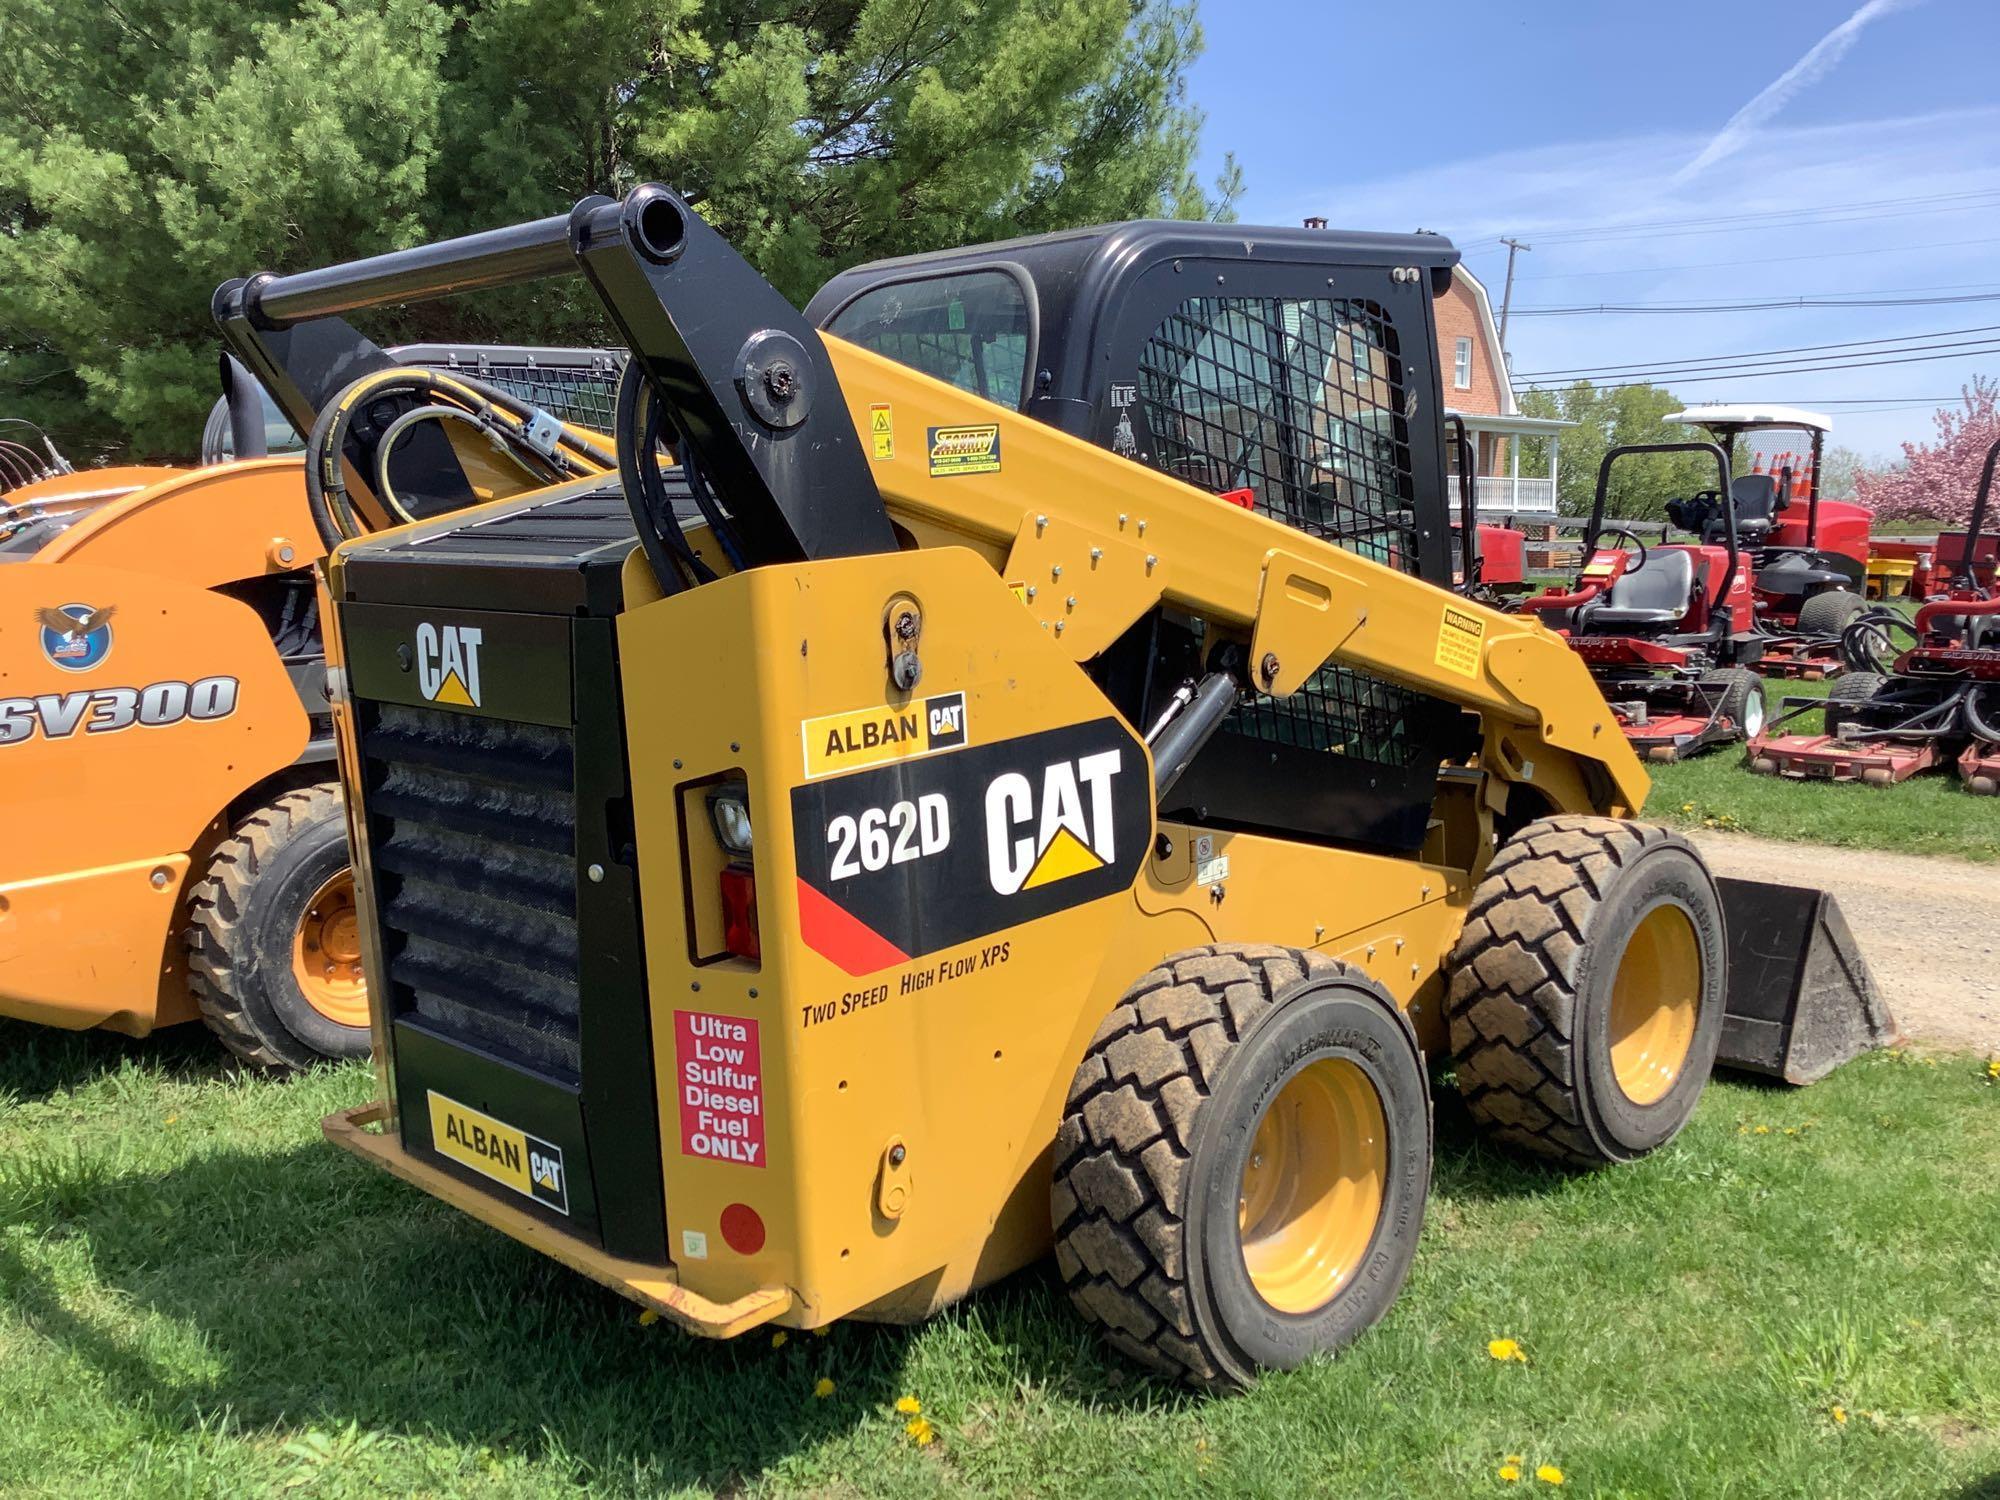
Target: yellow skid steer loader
{"points": [[960, 826]]}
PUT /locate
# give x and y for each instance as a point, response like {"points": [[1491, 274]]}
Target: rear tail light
{"points": [[739, 912]]}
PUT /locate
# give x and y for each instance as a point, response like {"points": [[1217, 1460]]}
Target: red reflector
{"points": [[1245, 498], [742, 1230], [739, 913]]}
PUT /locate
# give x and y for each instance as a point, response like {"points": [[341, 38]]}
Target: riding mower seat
{"points": [[1656, 594], [1757, 502]]}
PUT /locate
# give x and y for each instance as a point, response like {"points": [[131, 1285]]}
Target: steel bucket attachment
{"points": [[1801, 998]]}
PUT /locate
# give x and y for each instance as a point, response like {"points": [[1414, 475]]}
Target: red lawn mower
{"points": [[1807, 557], [1668, 631], [1905, 708]]}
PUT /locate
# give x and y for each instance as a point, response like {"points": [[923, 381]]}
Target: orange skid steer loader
{"points": [[171, 837]]}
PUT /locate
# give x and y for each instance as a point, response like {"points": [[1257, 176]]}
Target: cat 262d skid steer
{"points": [[940, 838]]}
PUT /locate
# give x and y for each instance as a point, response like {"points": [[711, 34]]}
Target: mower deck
{"points": [[1979, 768], [1825, 757], [1801, 658]]}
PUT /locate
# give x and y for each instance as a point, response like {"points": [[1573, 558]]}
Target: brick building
{"points": [[1476, 386]]}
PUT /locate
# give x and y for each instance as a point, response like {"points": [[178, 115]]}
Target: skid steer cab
{"points": [[1668, 631], [935, 818], [173, 843]]}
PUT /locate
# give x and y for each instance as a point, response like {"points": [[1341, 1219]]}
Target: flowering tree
{"points": [[1940, 479]]}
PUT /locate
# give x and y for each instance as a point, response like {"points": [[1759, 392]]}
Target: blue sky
{"points": [[1563, 125]]}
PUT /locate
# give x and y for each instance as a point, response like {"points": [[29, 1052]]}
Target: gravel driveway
{"points": [[1929, 927]]}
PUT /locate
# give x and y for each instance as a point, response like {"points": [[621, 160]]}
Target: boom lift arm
{"points": [[760, 417]]}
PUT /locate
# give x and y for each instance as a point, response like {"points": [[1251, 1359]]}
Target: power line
{"points": [[1858, 299], [1915, 340], [1827, 213], [1765, 260], [1671, 377]]}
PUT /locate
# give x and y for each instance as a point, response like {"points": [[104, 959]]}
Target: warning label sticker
{"points": [[1460, 636], [882, 431], [972, 449], [721, 1080]]}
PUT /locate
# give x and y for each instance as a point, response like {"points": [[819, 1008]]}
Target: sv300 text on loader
{"points": [[940, 838]]}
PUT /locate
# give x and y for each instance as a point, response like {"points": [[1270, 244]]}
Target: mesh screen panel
{"points": [[1298, 401], [1301, 402], [582, 398]]}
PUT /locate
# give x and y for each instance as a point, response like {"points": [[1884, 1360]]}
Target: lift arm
{"points": [[776, 416]]}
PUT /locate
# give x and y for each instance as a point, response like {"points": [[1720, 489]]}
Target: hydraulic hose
{"points": [[542, 446], [641, 424]]}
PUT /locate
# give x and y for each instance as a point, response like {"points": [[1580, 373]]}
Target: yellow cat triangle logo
{"points": [[452, 690], [1066, 855]]}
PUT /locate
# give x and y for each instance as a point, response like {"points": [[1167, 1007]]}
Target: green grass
{"points": [[198, 1297], [1931, 813]]}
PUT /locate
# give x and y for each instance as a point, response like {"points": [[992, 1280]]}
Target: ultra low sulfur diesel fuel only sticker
{"points": [[720, 1077]]}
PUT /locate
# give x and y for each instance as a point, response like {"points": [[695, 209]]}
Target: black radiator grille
{"points": [[472, 828]]}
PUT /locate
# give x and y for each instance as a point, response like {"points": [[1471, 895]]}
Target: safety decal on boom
{"points": [[972, 449], [1461, 634], [904, 860]]}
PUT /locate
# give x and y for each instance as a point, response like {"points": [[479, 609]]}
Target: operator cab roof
{"points": [[1075, 281], [1744, 418]]}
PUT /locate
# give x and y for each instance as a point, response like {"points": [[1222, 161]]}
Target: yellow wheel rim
{"points": [[326, 954], [1655, 1002], [1311, 1193]]}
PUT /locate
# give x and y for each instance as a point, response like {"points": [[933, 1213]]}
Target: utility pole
{"points": [[1514, 247]]}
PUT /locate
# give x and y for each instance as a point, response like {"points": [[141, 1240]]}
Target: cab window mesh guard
{"points": [[1302, 403]]}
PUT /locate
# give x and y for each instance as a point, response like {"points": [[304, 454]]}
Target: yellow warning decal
{"points": [[530, 1166], [876, 736], [972, 449], [1598, 570], [1460, 637], [1019, 591], [882, 431]]}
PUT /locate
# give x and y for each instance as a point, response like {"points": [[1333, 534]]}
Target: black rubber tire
{"points": [[1531, 985], [241, 922], [1854, 687], [1153, 1140], [1742, 697], [1829, 611]]}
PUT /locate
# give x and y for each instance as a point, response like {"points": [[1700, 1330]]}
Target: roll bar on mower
{"points": [[1714, 450], [1975, 525]]}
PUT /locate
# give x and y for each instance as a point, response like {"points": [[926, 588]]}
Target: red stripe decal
{"points": [[839, 935]]}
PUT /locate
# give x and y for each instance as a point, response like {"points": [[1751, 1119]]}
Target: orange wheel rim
{"points": [[1312, 1187], [1655, 1003], [326, 954]]}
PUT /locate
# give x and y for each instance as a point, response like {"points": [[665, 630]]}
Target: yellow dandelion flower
{"points": [[1761, 1130], [823, 1389], [649, 1317], [1840, 1414], [1506, 1349], [823, 1330], [909, 1406], [1687, 807], [780, 1339], [172, 1118], [921, 1432], [1510, 1472], [1549, 1474]]}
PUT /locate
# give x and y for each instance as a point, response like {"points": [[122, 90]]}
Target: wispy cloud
{"points": [[1820, 60]]}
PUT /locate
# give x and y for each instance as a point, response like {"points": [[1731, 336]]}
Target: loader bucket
{"points": [[1801, 998]]}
